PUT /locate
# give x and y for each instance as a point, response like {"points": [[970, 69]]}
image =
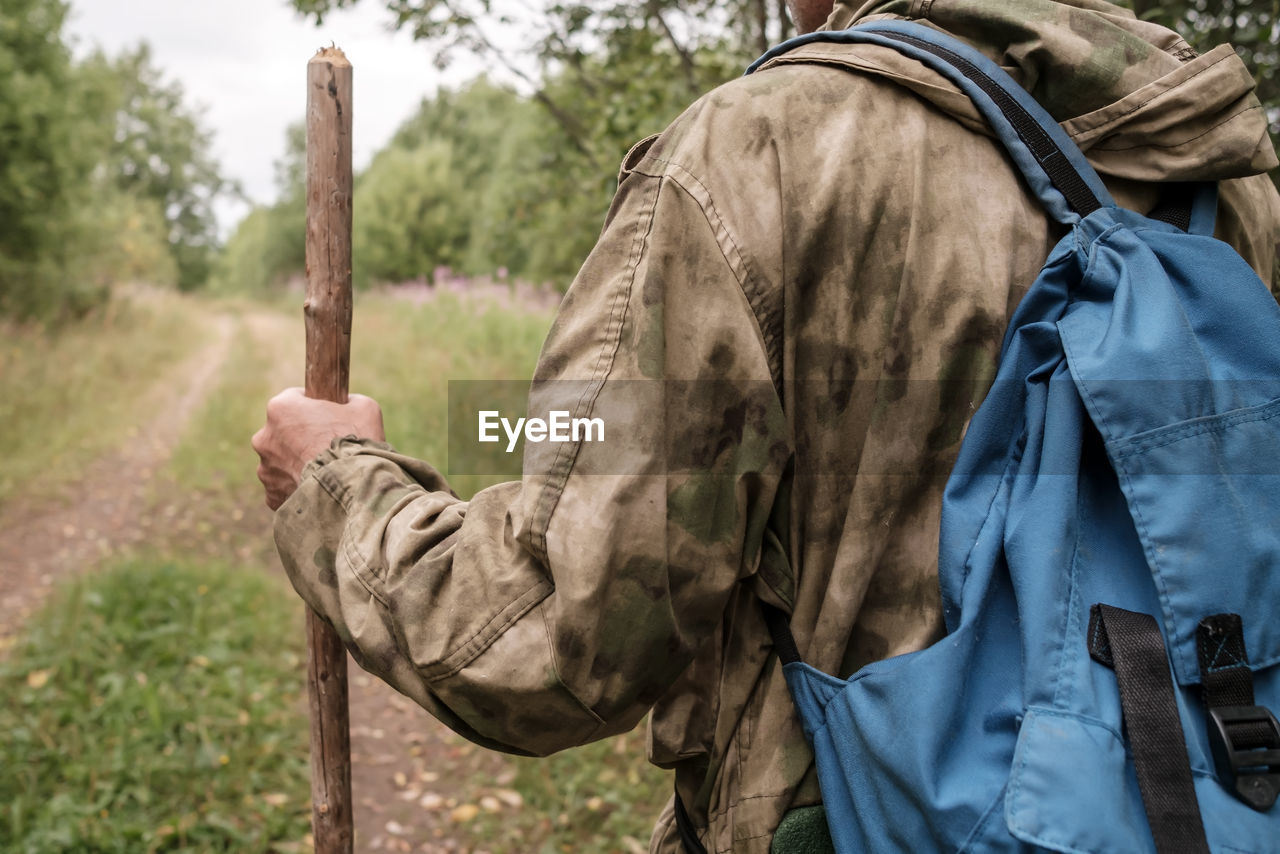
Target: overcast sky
{"points": [[243, 62]]}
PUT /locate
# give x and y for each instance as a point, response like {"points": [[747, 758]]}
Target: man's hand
{"points": [[299, 428]]}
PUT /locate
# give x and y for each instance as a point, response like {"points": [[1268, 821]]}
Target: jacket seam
{"points": [[475, 644], [724, 812], [360, 568], [856, 62], [555, 665], [1158, 438], [739, 262], [337, 493], [729, 807], [480, 640], [566, 454], [1174, 145], [330, 484]]}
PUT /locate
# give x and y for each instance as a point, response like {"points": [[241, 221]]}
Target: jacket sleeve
{"points": [[557, 609]]}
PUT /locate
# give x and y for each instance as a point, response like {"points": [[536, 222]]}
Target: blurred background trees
{"points": [[106, 173], [157, 159], [517, 176], [48, 153]]}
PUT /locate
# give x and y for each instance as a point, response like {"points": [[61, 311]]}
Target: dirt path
{"points": [[418, 787], [45, 542]]}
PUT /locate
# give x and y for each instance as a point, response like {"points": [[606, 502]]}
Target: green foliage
{"points": [[83, 738], [214, 456], [49, 149], [131, 242], [154, 706], [562, 34], [242, 267], [265, 249], [160, 153], [601, 797], [269, 244], [482, 179], [404, 357], [495, 139], [408, 215], [604, 793], [633, 86], [103, 165], [530, 177]]}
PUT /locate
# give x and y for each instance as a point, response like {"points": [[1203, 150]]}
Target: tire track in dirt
{"points": [[46, 542]]}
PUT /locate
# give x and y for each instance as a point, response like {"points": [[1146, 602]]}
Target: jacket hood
{"points": [[1132, 94]]}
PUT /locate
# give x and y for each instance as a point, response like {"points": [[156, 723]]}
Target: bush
{"points": [[251, 261], [410, 215]]}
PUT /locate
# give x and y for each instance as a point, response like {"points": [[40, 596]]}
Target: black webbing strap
{"points": [[784, 643], [1245, 737], [1175, 205], [1131, 643], [1224, 670], [1046, 152], [684, 826]]}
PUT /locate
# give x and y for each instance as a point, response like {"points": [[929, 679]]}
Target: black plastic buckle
{"points": [[1254, 771]]}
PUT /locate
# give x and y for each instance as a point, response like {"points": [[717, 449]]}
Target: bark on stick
{"points": [[328, 320]]}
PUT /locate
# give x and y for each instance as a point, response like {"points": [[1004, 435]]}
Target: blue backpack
{"points": [[1110, 550]]}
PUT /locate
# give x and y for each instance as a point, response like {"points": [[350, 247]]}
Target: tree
{"points": [[47, 150], [408, 215], [689, 40], [269, 244], [502, 184], [130, 242], [160, 152], [605, 73], [287, 223], [498, 144]]}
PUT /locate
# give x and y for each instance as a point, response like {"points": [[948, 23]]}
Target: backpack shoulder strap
{"points": [[1054, 168]]}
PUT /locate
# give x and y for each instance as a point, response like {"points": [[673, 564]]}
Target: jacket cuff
{"points": [[342, 446]]}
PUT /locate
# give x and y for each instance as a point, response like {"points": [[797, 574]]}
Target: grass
{"points": [[67, 397], [153, 707], [208, 492], [405, 356]]}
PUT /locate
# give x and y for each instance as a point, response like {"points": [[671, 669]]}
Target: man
{"points": [[815, 265]]}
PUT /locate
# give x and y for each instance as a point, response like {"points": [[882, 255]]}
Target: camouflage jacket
{"points": [[795, 304]]}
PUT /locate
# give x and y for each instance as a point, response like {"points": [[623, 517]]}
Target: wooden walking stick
{"points": [[328, 319]]}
